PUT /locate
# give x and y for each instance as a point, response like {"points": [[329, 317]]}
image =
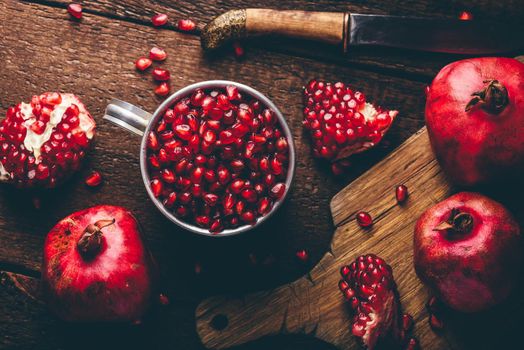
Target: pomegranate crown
{"points": [[493, 98], [90, 242], [458, 222]]}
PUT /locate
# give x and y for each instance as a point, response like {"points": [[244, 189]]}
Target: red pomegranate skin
{"points": [[478, 146], [473, 270], [116, 284]]}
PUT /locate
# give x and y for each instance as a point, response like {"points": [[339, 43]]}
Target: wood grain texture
{"points": [[313, 304], [94, 59], [420, 66]]}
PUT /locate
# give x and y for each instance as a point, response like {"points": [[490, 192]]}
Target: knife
{"points": [[351, 29]]}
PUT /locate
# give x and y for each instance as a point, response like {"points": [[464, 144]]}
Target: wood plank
{"points": [[95, 60], [313, 304], [421, 66]]}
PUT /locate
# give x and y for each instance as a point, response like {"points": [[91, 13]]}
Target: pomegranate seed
{"points": [[216, 226], [94, 179], [401, 192], [412, 344], [203, 221], [152, 141], [302, 255], [435, 322], [281, 145], [161, 74], [465, 16], [198, 268], [159, 19], [75, 10], [170, 200], [163, 299], [157, 54], [278, 190], [248, 217], [407, 322], [143, 63], [183, 131], [211, 199], [186, 25], [276, 166], [168, 176], [38, 127], [238, 50], [249, 195], [156, 187], [162, 89], [364, 219]]}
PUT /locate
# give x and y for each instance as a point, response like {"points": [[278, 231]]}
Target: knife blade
{"points": [[349, 29], [431, 34]]}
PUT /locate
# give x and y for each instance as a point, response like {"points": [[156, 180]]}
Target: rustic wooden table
{"points": [[42, 49]]}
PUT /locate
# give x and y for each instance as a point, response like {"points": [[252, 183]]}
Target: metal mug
{"points": [[140, 122]]}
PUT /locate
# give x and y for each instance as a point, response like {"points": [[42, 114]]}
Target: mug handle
{"points": [[127, 116]]}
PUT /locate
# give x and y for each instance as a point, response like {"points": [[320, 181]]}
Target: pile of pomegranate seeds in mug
{"points": [[218, 159]]}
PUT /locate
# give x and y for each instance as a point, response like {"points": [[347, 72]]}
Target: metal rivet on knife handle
{"points": [[327, 27]]}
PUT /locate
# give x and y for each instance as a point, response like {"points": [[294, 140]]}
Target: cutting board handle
{"points": [[224, 321]]}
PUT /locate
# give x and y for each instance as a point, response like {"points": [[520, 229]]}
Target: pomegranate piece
{"points": [[364, 219], [162, 89], [163, 299], [90, 259], [161, 74], [94, 179], [143, 63], [218, 159], [412, 344], [466, 16], [43, 142], [474, 119], [157, 54], [238, 50], [435, 322], [401, 193], [340, 121], [467, 249], [159, 19], [186, 25], [75, 10], [407, 322], [368, 285], [302, 255]]}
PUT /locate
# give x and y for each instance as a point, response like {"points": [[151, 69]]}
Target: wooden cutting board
{"points": [[313, 304]]}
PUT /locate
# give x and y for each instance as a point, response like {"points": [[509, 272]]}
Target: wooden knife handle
{"points": [[327, 27]]}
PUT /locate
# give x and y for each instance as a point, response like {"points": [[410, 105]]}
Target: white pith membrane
{"points": [[33, 142]]}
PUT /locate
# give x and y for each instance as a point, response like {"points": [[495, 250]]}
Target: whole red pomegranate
{"points": [[475, 119], [468, 249], [95, 267], [43, 142]]}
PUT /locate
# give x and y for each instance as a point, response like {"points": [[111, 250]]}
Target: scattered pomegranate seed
{"points": [[198, 268], [401, 193], [186, 25], [161, 74], [302, 255], [238, 50], [37, 203], [159, 19], [143, 63], [435, 322], [94, 179], [407, 322], [163, 299], [162, 89], [466, 16], [412, 344], [253, 258], [157, 54], [75, 10], [364, 219]]}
